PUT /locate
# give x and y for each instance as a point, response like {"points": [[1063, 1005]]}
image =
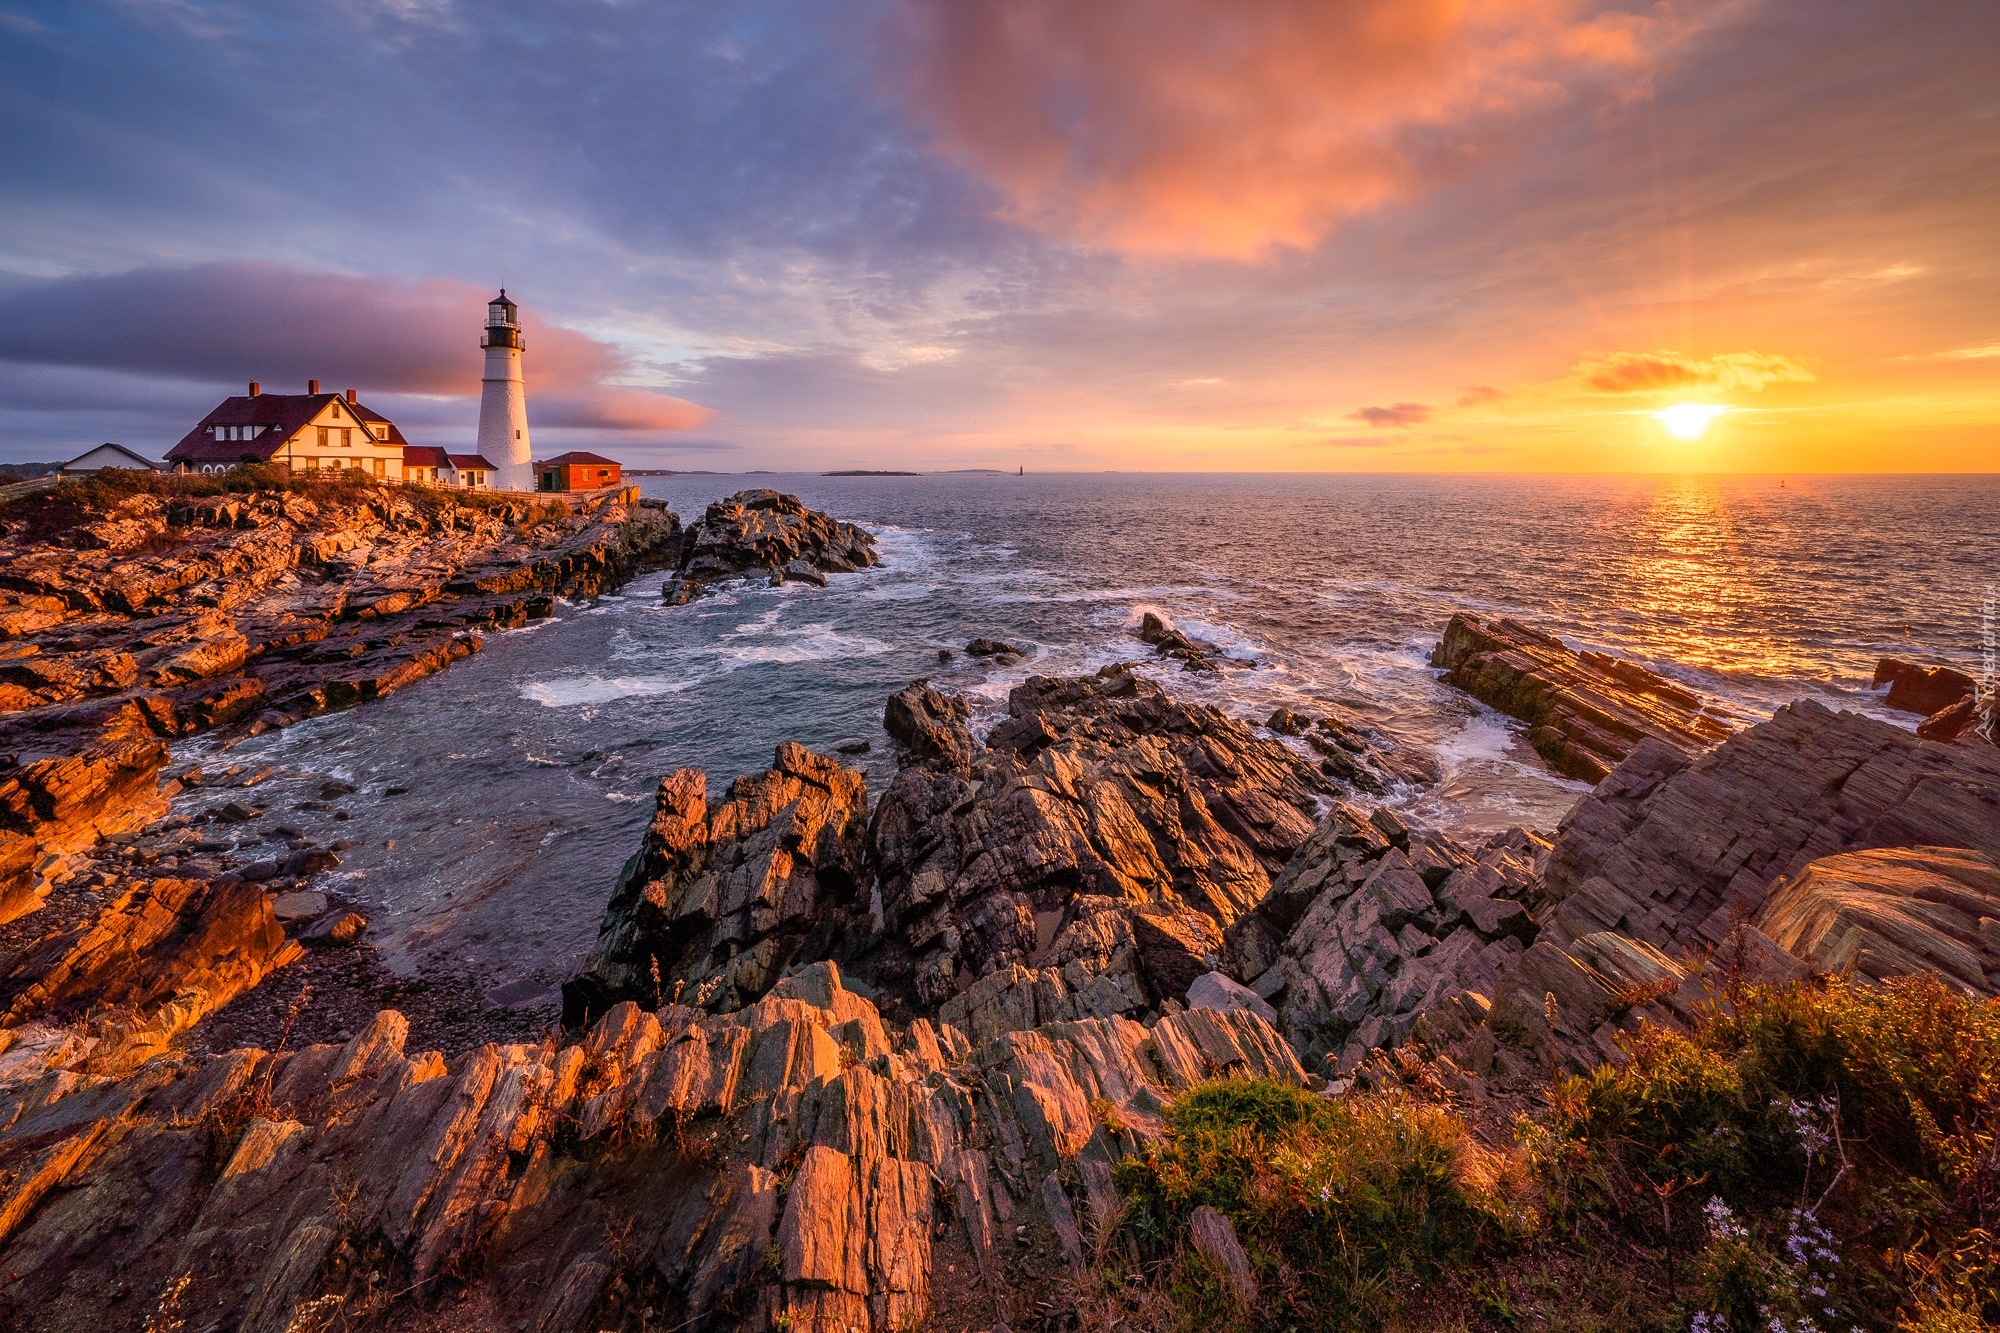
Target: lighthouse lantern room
{"points": [[503, 399]]}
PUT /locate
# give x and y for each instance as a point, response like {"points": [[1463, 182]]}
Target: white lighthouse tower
{"points": [[503, 399]]}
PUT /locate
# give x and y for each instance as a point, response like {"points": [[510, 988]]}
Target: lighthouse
{"points": [[503, 399]]}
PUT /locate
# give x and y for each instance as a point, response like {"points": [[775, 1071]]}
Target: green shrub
{"points": [[1336, 1202]]}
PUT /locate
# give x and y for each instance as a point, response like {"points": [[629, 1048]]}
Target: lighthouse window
{"points": [[517, 434]]}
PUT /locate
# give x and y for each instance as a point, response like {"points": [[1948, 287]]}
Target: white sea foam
{"points": [[570, 691]]}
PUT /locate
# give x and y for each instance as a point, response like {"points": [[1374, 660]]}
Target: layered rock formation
{"points": [[795, 1164], [163, 615], [1585, 711], [1674, 880], [1920, 689], [1892, 912], [769, 535], [1675, 850], [1104, 830], [717, 903]]}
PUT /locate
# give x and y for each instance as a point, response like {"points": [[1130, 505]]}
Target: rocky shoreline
{"points": [[853, 1063]]}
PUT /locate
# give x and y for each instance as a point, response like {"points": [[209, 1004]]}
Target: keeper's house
{"points": [[576, 471], [307, 432]]}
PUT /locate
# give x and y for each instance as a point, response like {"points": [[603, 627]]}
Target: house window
{"points": [[323, 434], [381, 432], [346, 437]]}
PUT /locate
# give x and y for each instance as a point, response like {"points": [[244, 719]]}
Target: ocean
{"points": [[528, 770]]}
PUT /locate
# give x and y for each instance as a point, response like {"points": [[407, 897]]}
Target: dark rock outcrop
{"points": [[1105, 830], [1814, 840], [1920, 689], [159, 956], [1372, 924], [766, 533], [1354, 756], [717, 903], [1192, 654], [1585, 711]]}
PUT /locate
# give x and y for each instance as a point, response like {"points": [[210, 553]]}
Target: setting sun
{"points": [[1687, 421]]}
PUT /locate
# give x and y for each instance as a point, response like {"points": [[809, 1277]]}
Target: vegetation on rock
{"points": [[1813, 1156]]}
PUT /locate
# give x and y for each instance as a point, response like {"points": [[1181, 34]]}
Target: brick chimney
{"points": [[254, 390], [312, 386], [350, 395]]}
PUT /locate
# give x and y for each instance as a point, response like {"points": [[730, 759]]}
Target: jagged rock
{"points": [[1675, 850], [1103, 823], [930, 724], [1815, 840], [765, 532], [1363, 942], [273, 1191], [150, 963], [1921, 689], [717, 903], [1892, 912], [1214, 990], [991, 648], [1970, 718], [1585, 711]]}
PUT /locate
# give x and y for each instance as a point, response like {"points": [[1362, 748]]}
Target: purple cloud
{"points": [[1396, 414]]}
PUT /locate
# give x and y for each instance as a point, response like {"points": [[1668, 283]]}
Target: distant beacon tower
{"points": [[503, 399]]}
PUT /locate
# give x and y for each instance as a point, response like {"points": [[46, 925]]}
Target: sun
{"points": [[1687, 421]]}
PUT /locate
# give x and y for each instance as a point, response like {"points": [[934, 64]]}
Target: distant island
{"points": [[868, 472], [670, 472]]}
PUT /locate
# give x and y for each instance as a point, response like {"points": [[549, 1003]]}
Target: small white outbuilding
{"points": [[104, 456]]}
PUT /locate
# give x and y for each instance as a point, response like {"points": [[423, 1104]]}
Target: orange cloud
{"points": [[1656, 372], [1193, 127]]}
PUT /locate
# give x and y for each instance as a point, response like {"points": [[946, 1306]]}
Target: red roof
{"points": [[424, 455], [577, 457], [279, 414], [465, 461]]}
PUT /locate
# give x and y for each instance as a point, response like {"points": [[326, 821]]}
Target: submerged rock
{"points": [[768, 534], [1192, 654], [1585, 711]]}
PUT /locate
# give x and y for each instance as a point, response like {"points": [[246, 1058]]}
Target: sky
{"points": [[1219, 235]]}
